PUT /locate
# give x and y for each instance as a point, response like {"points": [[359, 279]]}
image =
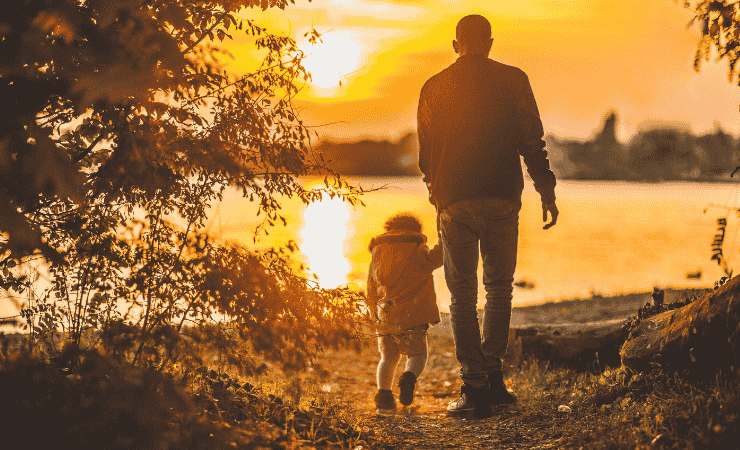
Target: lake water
{"points": [[612, 237]]}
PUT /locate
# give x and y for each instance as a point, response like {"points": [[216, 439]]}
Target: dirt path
{"points": [[426, 425], [534, 422]]}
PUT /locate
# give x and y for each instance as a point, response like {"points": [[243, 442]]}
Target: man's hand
{"points": [[552, 209]]}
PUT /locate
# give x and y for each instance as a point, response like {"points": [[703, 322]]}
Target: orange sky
{"points": [[583, 57]]}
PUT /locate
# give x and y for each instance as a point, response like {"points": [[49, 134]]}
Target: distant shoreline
{"points": [[659, 153]]}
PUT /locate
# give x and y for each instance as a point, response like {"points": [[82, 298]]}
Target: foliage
{"points": [[718, 253], [719, 22], [284, 424], [120, 129], [92, 401], [656, 306], [98, 403]]}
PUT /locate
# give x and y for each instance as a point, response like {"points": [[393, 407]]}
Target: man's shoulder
{"points": [[436, 79], [497, 70], [512, 71]]}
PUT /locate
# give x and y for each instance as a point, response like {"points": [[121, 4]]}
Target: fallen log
{"points": [[578, 345], [701, 336], [582, 345]]}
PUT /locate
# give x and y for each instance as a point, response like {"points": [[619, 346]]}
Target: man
{"points": [[476, 118]]}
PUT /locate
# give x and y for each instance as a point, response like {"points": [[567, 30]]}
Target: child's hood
{"points": [[395, 254], [398, 237]]}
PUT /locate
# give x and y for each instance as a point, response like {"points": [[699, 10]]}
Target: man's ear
{"points": [[456, 46]]}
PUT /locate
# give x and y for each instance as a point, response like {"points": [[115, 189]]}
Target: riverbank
{"points": [[557, 408], [102, 403]]}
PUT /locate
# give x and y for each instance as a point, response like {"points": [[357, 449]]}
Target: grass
{"points": [[614, 409], [102, 403], [611, 408], [94, 400]]}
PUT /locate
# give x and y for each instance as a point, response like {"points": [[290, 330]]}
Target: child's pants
{"points": [[394, 343]]}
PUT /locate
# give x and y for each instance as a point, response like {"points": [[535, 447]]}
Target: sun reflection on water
{"points": [[322, 241]]}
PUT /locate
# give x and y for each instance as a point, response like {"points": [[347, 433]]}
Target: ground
{"points": [[605, 409], [530, 424], [100, 401]]}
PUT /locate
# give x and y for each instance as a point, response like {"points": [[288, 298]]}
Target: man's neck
{"points": [[472, 55]]}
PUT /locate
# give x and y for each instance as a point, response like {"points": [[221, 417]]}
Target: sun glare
{"points": [[323, 235], [332, 59]]}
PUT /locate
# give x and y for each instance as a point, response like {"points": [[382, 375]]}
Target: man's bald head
{"points": [[473, 36]]}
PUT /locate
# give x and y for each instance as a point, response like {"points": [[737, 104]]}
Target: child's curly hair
{"points": [[403, 221]]}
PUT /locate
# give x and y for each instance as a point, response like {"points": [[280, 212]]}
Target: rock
{"points": [[442, 394], [565, 409], [658, 440], [701, 336], [524, 284]]}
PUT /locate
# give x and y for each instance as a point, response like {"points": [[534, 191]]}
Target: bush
{"points": [[94, 402], [125, 131]]}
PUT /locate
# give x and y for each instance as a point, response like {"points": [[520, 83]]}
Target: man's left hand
{"points": [[551, 209]]}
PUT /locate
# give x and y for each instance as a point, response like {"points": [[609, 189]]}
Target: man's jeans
{"points": [[494, 224]]}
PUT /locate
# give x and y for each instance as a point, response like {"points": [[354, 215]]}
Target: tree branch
{"points": [[89, 148]]}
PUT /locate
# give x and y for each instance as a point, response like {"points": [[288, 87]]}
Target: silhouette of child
{"points": [[401, 297]]}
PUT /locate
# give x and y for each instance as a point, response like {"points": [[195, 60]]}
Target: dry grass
{"points": [[617, 410], [610, 409], [86, 407]]}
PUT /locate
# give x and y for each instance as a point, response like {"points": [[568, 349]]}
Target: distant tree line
{"points": [[652, 154], [373, 157]]}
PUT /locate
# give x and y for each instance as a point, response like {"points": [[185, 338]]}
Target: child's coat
{"points": [[400, 285]]}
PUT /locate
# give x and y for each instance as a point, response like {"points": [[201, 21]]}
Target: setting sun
{"points": [[330, 60], [323, 235]]}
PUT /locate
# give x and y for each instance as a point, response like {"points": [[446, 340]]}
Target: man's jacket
{"points": [[475, 119], [400, 288]]}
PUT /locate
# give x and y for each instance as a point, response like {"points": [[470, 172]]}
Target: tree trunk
{"points": [[701, 336], [578, 345]]}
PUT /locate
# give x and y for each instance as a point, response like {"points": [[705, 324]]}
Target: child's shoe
{"points": [[407, 383], [384, 402]]}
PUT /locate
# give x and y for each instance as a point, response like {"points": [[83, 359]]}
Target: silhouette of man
{"points": [[475, 119]]}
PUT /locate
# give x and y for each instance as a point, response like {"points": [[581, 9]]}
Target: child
{"points": [[400, 293]]}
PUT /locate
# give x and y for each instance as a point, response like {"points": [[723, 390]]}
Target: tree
{"points": [[120, 127], [720, 30]]}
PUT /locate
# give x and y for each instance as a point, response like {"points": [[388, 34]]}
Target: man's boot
{"points": [[472, 402], [499, 393]]}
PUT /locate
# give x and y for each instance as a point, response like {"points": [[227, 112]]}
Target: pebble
{"points": [[565, 409], [657, 440]]}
